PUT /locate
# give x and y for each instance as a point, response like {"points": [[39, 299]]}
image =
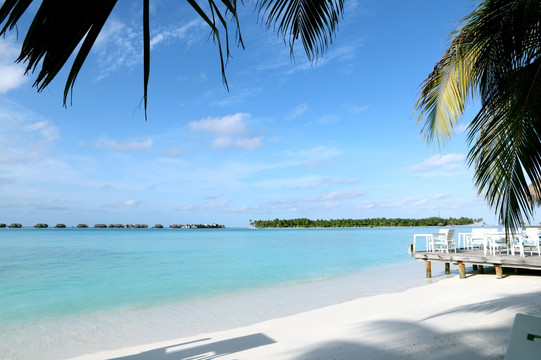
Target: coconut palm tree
{"points": [[63, 27], [494, 57]]}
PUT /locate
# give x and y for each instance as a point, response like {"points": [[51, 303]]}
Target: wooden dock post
{"points": [[480, 269], [428, 269], [499, 271], [461, 269], [447, 268]]}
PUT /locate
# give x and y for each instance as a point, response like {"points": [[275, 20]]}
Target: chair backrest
{"points": [[532, 235], [442, 233], [525, 339], [451, 236], [479, 233]]}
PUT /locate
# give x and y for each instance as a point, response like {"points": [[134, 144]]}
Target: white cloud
{"points": [[296, 112], [419, 202], [174, 152], [182, 32], [228, 131], [441, 196], [11, 74], [358, 109], [338, 53], [314, 156], [207, 206], [461, 128], [324, 201], [255, 209], [130, 203], [110, 30], [250, 143], [413, 204], [46, 130], [124, 204], [119, 44], [25, 136], [110, 144], [238, 97], [336, 196], [224, 126], [328, 119], [11, 77], [306, 182], [222, 142], [439, 163]]}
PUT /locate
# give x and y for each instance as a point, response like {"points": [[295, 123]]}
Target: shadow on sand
{"points": [[426, 342], [206, 351], [381, 340]]}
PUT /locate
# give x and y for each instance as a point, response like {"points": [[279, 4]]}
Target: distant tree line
{"points": [[374, 222]]}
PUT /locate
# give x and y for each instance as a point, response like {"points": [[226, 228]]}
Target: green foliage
{"points": [[373, 222], [494, 56]]}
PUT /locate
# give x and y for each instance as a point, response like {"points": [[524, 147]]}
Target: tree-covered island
{"points": [[374, 222]]}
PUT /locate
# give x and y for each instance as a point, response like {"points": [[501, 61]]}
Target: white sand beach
{"points": [[449, 319]]}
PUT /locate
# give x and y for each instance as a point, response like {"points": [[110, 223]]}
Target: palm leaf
{"points": [[313, 21], [445, 93], [60, 26], [495, 53], [57, 29]]}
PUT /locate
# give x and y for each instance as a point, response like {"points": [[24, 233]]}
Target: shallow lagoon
{"points": [[93, 289]]}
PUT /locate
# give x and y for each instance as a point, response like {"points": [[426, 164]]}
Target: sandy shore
{"points": [[449, 319]]}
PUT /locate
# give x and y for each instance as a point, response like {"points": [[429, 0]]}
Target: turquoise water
{"points": [[48, 273]]}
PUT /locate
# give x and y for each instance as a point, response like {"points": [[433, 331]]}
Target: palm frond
{"points": [[445, 93], [495, 53], [57, 29], [60, 26], [211, 19], [313, 21], [146, 51]]}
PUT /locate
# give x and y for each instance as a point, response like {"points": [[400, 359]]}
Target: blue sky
{"points": [[335, 139]]}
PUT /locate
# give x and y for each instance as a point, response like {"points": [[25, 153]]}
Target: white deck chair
{"points": [[477, 237], [506, 241], [517, 243], [531, 240], [445, 240], [525, 339]]}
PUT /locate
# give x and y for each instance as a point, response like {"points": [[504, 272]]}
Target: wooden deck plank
{"points": [[478, 257]]}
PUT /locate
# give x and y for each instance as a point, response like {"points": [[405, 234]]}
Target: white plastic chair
{"points": [[531, 240], [517, 243], [445, 240], [477, 236], [525, 339], [503, 240]]}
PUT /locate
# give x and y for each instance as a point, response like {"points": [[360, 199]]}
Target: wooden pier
{"points": [[477, 258]]}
